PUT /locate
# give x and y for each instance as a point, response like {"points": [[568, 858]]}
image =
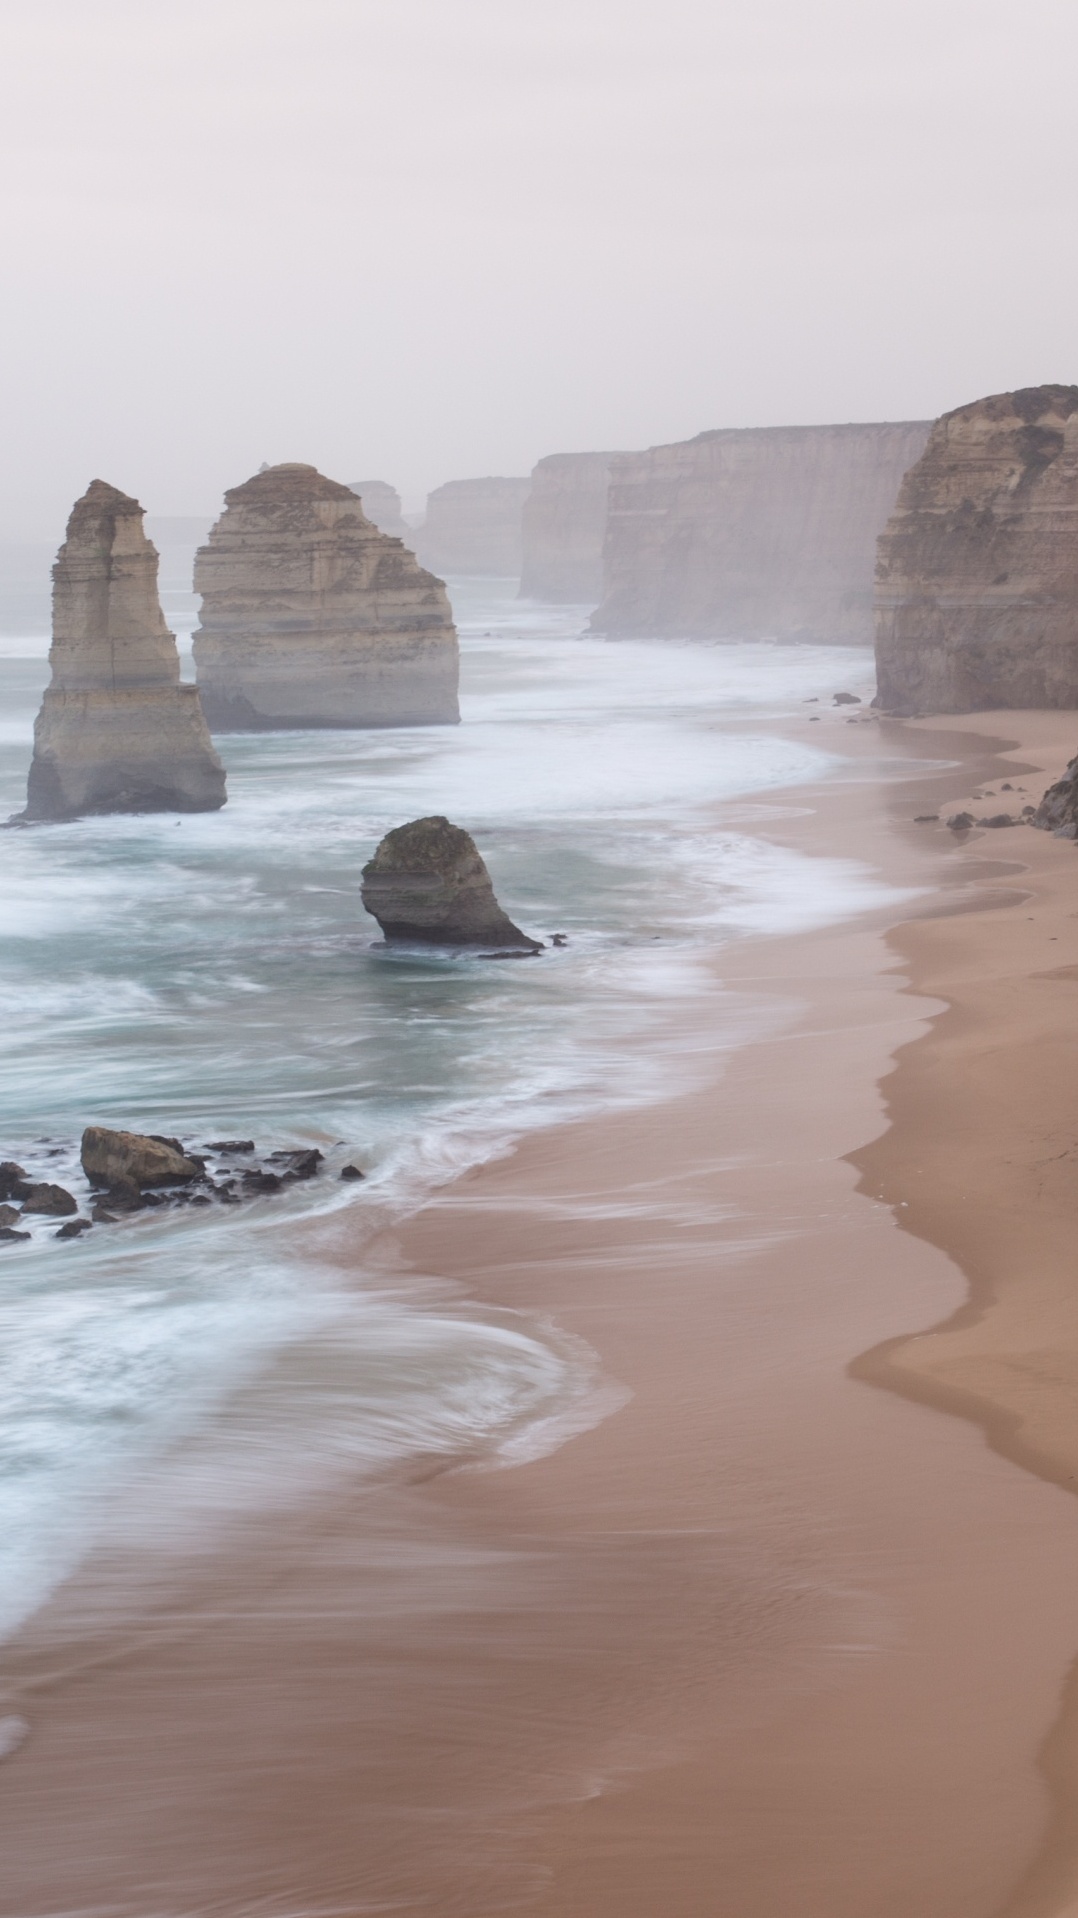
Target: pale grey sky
{"points": [[424, 239]]}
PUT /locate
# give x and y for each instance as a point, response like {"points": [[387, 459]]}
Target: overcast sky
{"points": [[425, 239]]}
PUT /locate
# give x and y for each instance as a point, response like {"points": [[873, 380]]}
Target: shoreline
{"points": [[702, 1653]]}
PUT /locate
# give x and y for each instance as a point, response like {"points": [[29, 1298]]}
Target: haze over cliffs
{"points": [[977, 582], [312, 617], [564, 526], [117, 731], [752, 533], [382, 505], [473, 526]]}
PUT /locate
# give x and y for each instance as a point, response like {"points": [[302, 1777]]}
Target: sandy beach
{"points": [[764, 1639]]}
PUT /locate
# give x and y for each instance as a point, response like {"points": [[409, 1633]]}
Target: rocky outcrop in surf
{"points": [[563, 528], [312, 617], [474, 527], [977, 580], [427, 884], [752, 533], [117, 731]]}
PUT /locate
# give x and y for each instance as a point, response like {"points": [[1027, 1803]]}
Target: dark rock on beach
{"points": [[961, 821], [1057, 812], [427, 885]]}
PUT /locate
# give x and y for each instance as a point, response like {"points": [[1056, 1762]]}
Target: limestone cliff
{"points": [[563, 527], [312, 617], [117, 732], [977, 579], [382, 505], [752, 533], [473, 526]]}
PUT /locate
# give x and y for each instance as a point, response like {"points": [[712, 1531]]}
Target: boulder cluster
{"points": [[136, 1172]]}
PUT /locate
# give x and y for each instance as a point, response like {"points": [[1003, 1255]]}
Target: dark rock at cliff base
{"points": [[847, 699], [111, 1158], [999, 819], [427, 884], [50, 1200], [977, 570], [1057, 812]]}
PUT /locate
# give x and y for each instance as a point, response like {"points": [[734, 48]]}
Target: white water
{"points": [[216, 977]]}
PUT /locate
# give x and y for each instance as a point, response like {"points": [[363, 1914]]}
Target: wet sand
{"points": [[767, 1639]]}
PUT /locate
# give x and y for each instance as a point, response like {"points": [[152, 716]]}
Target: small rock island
{"points": [[312, 617], [427, 884], [117, 731]]}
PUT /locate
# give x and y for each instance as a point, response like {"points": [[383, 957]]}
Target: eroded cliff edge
{"points": [[563, 528], [117, 731], [753, 533], [977, 575], [312, 617]]}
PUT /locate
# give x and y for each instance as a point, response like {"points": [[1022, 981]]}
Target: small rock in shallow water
{"points": [[109, 1157], [51, 1200], [13, 1181], [961, 821], [262, 1182], [846, 699], [231, 1145], [298, 1164], [8, 1235], [9, 1214], [925, 818], [73, 1229], [998, 819], [101, 1216], [351, 1172], [559, 939]]}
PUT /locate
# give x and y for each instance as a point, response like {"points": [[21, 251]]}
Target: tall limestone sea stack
{"points": [[977, 574], [117, 732], [752, 533], [312, 617]]}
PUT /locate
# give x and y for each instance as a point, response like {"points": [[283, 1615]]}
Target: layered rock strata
{"points": [[427, 884], [382, 505], [474, 527], [312, 617], [117, 732], [752, 533], [563, 526], [977, 577]]}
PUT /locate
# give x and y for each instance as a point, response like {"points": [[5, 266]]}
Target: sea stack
{"points": [[977, 573], [427, 884], [312, 617], [117, 731], [752, 532]]}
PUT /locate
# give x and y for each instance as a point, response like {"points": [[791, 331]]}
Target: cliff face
{"points": [[473, 526], [563, 526], [754, 533], [117, 732], [312, 617], [382, 505], [977, 581]]}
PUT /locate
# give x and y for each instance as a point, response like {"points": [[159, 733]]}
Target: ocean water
{"points": [[216, 977]]}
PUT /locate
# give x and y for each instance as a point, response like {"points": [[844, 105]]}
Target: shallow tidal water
{"points": [[216, 977]]}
